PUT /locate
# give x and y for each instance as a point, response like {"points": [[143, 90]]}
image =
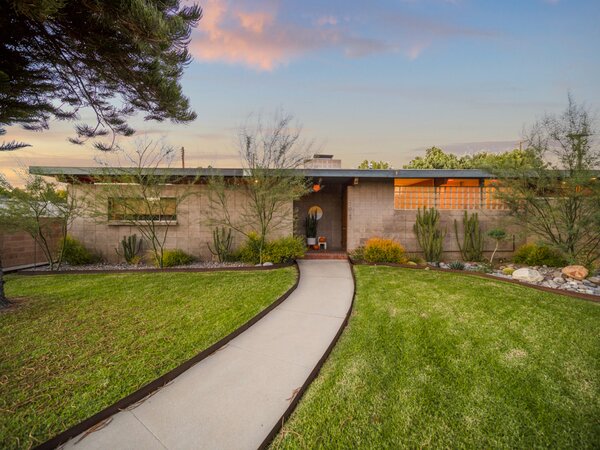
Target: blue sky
{"points": [[377, 80]]}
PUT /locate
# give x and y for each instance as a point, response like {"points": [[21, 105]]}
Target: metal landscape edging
{"points": [[313, 374], [149, 388], [579, 295]]}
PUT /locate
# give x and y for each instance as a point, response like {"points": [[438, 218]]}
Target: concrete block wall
{"points": [[371, 213], [20, 249], [191, 233]]}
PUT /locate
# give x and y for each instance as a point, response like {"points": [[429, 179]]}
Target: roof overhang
{"points": [[91, 174]]}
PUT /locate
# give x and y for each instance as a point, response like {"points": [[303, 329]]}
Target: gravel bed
{"points": [[552, 277]]}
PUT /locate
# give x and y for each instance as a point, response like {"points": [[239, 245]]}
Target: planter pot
{"points": [[311, 241]]}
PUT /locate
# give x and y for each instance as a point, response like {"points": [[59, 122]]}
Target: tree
{"points": [[558, 198], [498, 235], [269, 186], [436, 158], [4, 192], [379, 165], [141, 192], [36, 209], [114, 57]]}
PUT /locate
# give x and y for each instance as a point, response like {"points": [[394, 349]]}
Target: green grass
{"points": [[441, 360], [77, 343]]}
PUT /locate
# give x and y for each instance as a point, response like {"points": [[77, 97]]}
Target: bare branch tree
{"points": [[141, 191], [558, 197], [269, 156]]}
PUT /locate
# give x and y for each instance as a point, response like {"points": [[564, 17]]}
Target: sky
{"points": [[377, 80]]}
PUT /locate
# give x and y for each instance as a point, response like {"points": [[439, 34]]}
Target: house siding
{"points": [[191, 233], [371, 213]]}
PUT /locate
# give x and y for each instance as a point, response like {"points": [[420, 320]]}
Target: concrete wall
{"points": [[20, 249], [371, 213], [330, 225], [191, 233]]}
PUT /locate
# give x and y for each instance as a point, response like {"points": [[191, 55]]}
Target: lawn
{"points": [[77, 343], [441, 360]]}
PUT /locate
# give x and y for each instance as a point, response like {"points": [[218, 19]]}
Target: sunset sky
{"points": [[377, 80]]}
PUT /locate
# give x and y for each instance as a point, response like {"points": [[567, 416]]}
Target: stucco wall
{"points": [[371, 213], [191, 233]]}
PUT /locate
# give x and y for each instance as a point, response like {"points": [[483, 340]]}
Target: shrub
{"points": [[76, 254], [250, 251], [285, 250], [358, 254], [278, 251], [508, 270], [457, 265], [538, 255], [484, 268], [172, 258], [416, 259], [384, 250]]}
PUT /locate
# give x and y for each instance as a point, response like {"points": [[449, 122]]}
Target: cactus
{"points": [[429, 234], [457, 265], [472, 248], [311, 226], [222, 241], [130, 248]]}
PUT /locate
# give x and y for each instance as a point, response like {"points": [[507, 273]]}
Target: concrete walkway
{"points": [[233, 398]]}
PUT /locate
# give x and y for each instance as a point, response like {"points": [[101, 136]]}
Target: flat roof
{"points": [[88, 173]]}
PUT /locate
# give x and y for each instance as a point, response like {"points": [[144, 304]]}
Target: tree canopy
{"points": [[117, 58], [366, 164], [436, 158], [558, 198]]}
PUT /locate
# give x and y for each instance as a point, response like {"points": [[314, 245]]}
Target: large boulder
{"points": [[528, 275], [575, 272]]}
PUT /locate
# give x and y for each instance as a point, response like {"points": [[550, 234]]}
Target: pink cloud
{"points": [[257, 39], [261, 36]]}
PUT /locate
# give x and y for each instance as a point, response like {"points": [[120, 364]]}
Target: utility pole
{"points": [[182, 157]]}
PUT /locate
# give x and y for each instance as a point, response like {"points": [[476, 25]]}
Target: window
{"points": [[135, 208], [414, 193]]}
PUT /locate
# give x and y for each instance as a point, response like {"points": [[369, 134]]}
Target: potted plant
{"points": [[311, 229]]}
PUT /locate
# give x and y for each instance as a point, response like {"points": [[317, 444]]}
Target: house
{"points": [[356, 205]]}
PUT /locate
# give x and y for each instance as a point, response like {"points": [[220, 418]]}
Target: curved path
{"points": [[234, 398]]}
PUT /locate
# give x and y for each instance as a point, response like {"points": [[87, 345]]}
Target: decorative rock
{"points": [[559, 280], [575, 272], [595, 280], [527, 275]]}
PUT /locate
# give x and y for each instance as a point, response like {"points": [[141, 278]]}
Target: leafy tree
{"points": [[269, 156], [436, 158], [380, 165], [35, 210], [114, 57], [558, 198]]}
